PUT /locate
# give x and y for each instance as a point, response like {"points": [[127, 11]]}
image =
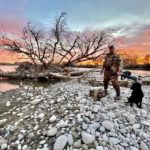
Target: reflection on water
{"points": [[7, 86], [141, 72], [8, 68]]}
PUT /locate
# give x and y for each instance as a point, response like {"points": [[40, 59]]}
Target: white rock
{"points": [[25, 147], [99, 148], [53, 119], [41, 115], [143, 112], [113, 106], [84, 126], [36, 101], [95, 109], [3, 121], [94, 126], [30, 135], [82, 101], [42, 142], [131, 118], [113, 141], [108, 125], [111, 114], [19, 147], [62, 124], [3, 146], [133, 148], [77, 145], [8, 104], [105, 138], [70, 139], [20, 137], [59, 99], [146, 123], [2, 141], [143, 146], [87, 138], [60, 143], [52, 131]]}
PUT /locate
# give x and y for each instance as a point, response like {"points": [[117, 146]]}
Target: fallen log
{"points": [[36, 76]]}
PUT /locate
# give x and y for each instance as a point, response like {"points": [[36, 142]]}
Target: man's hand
{"points": [[119, 72]]}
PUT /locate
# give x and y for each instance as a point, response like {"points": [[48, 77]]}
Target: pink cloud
{"points": [[12, 22], [138, 44]]}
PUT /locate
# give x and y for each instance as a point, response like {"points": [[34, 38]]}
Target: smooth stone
{"points": [[105, 138], [111, 114], [133, 148], [87, 138], [77, 144], [143, 146], [60, 143], [42, 142], [62, 124], [108, 125], [52, 131], [3, 121], [70, 139], [2, 141], [30, 135], [113, 141], [85, 147], [8, 104], [131, 119], [82, 101], [113, 106], [84, 126], [41, 115], [53, 119], [35, 102], [99, 148], [146, 123], [94, 126], [3, 146]]}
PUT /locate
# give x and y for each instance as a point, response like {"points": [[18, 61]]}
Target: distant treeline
{"points": [[136, 67], [141, 67]]}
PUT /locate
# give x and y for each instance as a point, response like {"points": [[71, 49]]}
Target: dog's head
{"points": [[128, 73], [136, 86]]}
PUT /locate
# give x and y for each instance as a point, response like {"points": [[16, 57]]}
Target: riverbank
{"points": [[63, 116]]}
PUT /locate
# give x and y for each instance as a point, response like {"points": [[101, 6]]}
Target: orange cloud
{"points": [[138, 44]]}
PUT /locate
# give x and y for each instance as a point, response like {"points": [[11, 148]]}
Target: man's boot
{"points": [[117, 97]]}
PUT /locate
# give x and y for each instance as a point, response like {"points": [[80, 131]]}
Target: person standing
{"points": [[112, 67]]}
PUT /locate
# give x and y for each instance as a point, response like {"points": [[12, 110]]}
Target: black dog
{"points": [[136, 96]]}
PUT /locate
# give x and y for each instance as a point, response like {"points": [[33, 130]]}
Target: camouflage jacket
{"points": [[113, 63]]}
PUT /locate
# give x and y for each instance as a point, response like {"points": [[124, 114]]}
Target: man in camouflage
{"points": [[112, 67]]}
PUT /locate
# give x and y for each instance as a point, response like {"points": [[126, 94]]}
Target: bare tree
{"points": [[31, 44], [60, 45], [89, 45]]}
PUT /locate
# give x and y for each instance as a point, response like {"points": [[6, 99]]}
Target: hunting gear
{"points": [[112, 67]]}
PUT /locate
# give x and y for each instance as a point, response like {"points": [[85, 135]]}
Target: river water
{"points": [[7, 85], [10, 85]]}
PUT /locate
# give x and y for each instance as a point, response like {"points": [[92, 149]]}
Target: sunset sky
{"points": [[129, 18]]}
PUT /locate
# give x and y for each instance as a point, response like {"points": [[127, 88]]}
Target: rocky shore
{"points": [[63, 116]]}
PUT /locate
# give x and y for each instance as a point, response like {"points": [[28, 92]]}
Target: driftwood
{"points": [[38, 76]]}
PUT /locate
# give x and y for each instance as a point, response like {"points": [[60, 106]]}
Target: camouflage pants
{"points": [[114, 80]]}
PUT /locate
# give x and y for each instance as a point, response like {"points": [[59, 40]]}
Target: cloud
{"points": [[134, 37], [11, 22]]}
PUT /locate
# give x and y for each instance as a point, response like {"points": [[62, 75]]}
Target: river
{"points": [[10, 85]]}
